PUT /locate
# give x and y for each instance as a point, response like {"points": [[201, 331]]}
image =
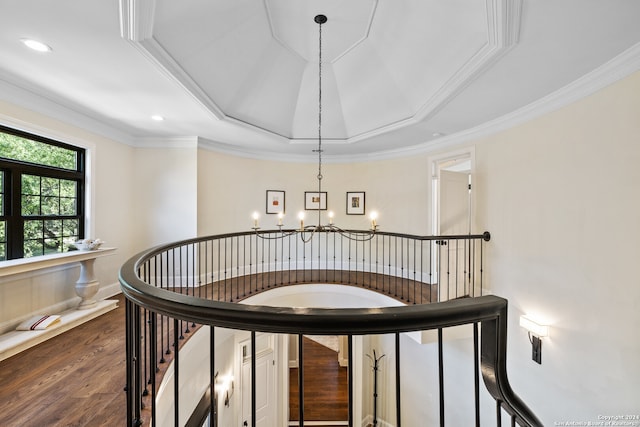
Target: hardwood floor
{"points": [[77, 379], [325, 385], [238, 288], [74, 379]]}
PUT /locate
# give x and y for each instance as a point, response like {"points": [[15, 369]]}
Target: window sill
{"points": [[23, 265]]}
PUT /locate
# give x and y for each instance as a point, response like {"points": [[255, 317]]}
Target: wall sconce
{"points": [[224, 387], [535, 331]]}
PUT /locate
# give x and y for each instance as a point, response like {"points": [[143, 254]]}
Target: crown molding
{"points": [[35, 99], [136, 26], [625, 64], [503, 19], [614, 70], [162, 142], [136, 19]]}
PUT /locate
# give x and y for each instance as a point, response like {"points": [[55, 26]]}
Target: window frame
{"points": [[12, 192]]}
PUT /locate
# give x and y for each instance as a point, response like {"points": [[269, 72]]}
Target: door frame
{"points": [[443, 161], [275, 348], [357, 369]]}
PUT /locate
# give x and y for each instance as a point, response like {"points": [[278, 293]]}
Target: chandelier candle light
{"points": [[304, 231]]}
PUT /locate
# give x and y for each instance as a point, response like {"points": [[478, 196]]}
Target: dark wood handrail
{"points": [[488, 311]]}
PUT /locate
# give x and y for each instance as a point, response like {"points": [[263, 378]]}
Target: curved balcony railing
{"points": [[173, 289]]}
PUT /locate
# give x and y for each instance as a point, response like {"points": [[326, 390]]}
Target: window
{"points": [[41, 195]]}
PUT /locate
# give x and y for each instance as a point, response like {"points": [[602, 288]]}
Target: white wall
{"points": [[559, 195]]}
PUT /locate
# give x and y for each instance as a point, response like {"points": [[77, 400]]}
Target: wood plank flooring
{"points": [[77, 379], [238, 288], [74, 379], [326, 390]]}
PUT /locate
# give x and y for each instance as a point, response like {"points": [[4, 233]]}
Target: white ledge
{"points": [[14, 342], [22, 265]]}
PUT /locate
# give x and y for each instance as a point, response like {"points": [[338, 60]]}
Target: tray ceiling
{"points": [[243, 74]]}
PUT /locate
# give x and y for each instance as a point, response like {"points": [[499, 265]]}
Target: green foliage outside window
{"points": [[3, 240], [48, 196], [41, 186], [26, 150]]}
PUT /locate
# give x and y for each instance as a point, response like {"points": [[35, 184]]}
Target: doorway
{"points": [[326, 392], [452, 215], [265, 381]]}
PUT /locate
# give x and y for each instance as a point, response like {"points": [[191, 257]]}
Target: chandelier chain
{"points": [[319, 116], [306, 233]]}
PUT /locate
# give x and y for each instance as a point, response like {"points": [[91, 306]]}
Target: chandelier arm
{"points": [[357, 236], [313, 232], [282, 235]]}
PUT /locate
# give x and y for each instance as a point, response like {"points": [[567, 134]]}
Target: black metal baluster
{"points": [[448, 256], [225, 270], [431, 266], [395, 263], [457, 267], [244, 266], [219, 261], [262, 264], [415, 274], [132, 415], [145, 365], [176, 374], [481, 267], [153, 350], [476, 373], [213, 410], [441, 376], [350, 377], [300, 380], [289, 272], [253, 379], [398, 397]]}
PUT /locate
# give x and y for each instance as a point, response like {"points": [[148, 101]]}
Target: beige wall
{"points": [[166, 194], [231, 188], [559, 195], [109, 218]]}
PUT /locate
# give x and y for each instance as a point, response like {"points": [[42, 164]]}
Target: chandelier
{"points": [[307, 232]]}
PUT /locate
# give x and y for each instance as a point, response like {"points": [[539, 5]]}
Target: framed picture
{"points": [[275, 201], [314, 201], [355, 202]]}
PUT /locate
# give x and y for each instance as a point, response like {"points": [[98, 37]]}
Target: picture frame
{"points": [[275, 202], [355, 203], [314, 201]]}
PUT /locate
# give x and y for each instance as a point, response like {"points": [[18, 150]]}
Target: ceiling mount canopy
{"points": [[320, 19]]}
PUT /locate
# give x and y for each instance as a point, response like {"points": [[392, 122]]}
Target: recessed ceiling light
{"points": [[157, 118], [36, 45], [437, 134]]}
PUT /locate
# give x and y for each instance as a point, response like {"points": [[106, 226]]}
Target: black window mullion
{"points": [[15, 222], [12, 194]]}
